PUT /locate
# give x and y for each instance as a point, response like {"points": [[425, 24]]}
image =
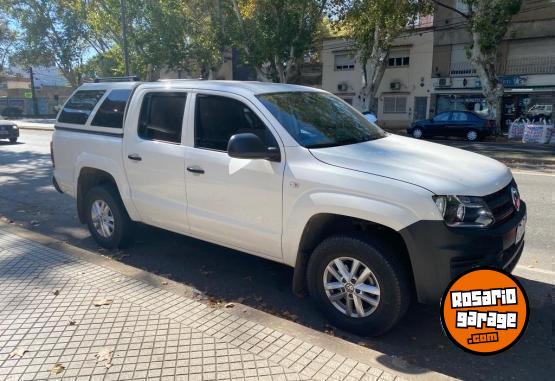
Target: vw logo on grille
{"points": [[516, 198]]}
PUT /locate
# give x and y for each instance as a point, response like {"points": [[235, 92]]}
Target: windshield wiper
{"points": [[340, 143]]}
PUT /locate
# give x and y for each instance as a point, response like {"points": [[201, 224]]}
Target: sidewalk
{"points": [[143, 328]]}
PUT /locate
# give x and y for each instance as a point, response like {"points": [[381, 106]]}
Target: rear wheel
{"points": [[359, 284], [417, 133], [107, 218], [472, 136], [13, 140]]}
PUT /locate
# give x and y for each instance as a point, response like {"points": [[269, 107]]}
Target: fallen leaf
{"points": [[56, 292], [229, 305], [164, 282], [71, 322], [18, 352], [105, 355], [57, 368], [102, 302]]}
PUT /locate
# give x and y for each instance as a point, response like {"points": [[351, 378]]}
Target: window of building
{"points": [[218, 118], [345, 61], [78, 109], [398, 58], [110, 112], [394, 105], [460, 63], [162, 116]]}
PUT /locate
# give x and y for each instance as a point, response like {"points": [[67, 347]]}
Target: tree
{"points": [[488, 22], [8, 40], [274, 35], [373, 25], [51, 34]]}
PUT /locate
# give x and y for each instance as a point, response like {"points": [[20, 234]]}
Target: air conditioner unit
{"points": [[395, 85], [342, 87], [444, 82]]}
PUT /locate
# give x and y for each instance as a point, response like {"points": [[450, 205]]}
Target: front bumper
{"points": [[438, 253]]}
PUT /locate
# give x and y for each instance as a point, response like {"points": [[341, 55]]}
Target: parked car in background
{"points": [[8, 130], [12, 112], [370, 116], [463, 124]]}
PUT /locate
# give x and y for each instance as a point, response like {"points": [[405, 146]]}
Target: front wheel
{"points": [[107, 218], [359, 284], [417, 133]]}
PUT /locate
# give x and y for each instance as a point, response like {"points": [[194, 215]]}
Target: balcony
{"points": [[531, 65], [462, 69]]}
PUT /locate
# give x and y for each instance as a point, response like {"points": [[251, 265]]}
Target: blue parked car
{"points": [[463, 124]]}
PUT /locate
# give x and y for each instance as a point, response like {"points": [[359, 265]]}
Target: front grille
{"points": [[501, 204]]}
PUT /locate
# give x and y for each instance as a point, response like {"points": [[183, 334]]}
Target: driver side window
{"points": [[218, 118]]}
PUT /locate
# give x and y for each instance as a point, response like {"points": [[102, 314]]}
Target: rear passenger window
{"points": [[110, 113], [162, 116], [218, 118], [80, 106]]}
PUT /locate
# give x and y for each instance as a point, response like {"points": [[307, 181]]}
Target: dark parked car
{"points": [[8, 130], [464, 124]]}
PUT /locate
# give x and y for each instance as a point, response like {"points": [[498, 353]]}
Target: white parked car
{"points": [[369, 221]]}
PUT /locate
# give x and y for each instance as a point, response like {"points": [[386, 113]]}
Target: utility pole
{"points": [[124, 36], [33, 95]]}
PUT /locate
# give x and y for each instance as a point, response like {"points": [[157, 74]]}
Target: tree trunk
{"points": [[492, 88], [375, 69]]}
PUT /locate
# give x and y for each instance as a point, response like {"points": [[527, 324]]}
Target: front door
{"points": [[154, 159], [420, 107], [235, 202]]}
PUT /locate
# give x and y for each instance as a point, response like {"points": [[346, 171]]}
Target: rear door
{"points": [[439, 124], [235, 202], [460, 123], [154, 157]]}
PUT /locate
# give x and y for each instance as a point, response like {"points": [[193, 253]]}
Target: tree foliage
{"points": [[8, 40], [373, 25]]}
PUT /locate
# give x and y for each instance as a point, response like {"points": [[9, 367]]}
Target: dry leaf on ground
{"points": [[71, 322], [105, 355], [18, 352], [229, 305], [56, 292], [57, 368], [102, 302]]}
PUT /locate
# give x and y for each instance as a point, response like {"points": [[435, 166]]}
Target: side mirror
{"points": [[250, 146]]}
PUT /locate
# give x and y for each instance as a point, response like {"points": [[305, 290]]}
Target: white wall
{"points": [[420, 48]]}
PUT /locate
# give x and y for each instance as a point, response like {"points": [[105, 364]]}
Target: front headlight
{"points": [[14, 127], [464, 211]]}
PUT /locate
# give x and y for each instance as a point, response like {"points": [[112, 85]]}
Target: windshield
{"points": [[318, 120]]}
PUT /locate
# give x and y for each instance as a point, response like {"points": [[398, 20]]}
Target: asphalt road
{"points": [[218, 274]]}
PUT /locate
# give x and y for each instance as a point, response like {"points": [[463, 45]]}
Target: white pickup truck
{"points": [[370, 221]]}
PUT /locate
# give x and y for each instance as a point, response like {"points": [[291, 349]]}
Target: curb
{"points": [[352, 351]]}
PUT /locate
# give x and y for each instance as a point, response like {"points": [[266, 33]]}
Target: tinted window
{"points": [[219, 118], [460, 117], [443, 117], [79, 107], [317, 119], [110, 113], [162, 116]]}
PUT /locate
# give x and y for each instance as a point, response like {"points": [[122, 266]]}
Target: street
{"points": [[216, 274]]}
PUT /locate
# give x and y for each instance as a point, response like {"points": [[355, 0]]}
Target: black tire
{"points": [[123, 226], [13, 140], [392, 276]]}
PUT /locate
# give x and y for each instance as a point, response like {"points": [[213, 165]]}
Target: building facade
{"points": [[526, 64], [404, 92]]}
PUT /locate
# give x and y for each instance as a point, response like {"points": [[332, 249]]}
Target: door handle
{"points": [[134, 157], [196, 170]]}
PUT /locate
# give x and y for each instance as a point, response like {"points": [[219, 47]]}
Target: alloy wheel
{"points": [[417, 133], [351, 287], [102, 218], [472, 135]]}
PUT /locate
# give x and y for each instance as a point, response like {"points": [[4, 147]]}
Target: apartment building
{"points": [[404, 93], [526, 63]]}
